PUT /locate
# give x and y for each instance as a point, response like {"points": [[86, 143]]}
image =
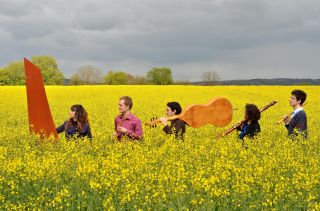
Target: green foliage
{"points": [[13, 74], [123, 78], [4, 77], [160, 76], [49, 69], [137, 80], [75, 80], [116, 78]]}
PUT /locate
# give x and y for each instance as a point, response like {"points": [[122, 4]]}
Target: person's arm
{"points": [[137, 132], [239, 128], [291, 125], [253, 130], [244, 131], [242, 135], [167, 129], [115, 133], [179, 127], [61, 128], [286, 123], [87, 131]]}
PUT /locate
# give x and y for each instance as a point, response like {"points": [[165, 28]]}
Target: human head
{"points": [[298, 97], [78, 113], [125, 104], [173, 108], [252, 112]]}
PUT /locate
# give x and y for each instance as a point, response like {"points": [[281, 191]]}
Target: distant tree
{"points": [[210, 77], [117, 78], [159, 76], [13, 74], [121, 77], [75, 80], [49, 69], [4, 77], [182, 82], [87, 75], [137, 80], [305, 83]]}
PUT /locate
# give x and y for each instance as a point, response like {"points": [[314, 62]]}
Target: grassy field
{"points": [[201, 172]]}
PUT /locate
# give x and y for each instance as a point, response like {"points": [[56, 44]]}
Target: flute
{"points": [[283, 119]]}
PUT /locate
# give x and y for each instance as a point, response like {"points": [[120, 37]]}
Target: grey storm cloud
{"points": [[236, 38]]}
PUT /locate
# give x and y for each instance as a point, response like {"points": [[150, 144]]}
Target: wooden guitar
{"points": [[217, 112]]}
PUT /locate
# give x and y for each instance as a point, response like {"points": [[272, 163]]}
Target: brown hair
{"points": [[81, 117], [127, 101], [252, 112]]}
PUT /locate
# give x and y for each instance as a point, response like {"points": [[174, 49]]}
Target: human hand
{"points": [[163, 120], [286, 119], [121, 129]]}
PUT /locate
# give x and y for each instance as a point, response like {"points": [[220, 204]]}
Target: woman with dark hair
{"points": [[251, 127], [177, 126], [78, 124]]}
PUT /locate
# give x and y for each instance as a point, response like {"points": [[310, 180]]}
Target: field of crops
{"points": [[201, 172]]}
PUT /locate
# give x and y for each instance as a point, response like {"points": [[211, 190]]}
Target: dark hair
{"points": [[127, 101], [252, 112], [175, 106], [300, 95], [81, 117]]}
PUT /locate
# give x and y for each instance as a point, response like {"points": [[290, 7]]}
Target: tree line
{"points": [[13, 74], [91, 75]]}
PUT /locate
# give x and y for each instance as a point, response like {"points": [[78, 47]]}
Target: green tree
{"points": [[116, 78], [4, 77], [137, 79], [13, 74], [49, 69], [159, 76], [75, 80]]}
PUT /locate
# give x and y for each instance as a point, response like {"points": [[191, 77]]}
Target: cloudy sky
{"points": [[239, 39]]}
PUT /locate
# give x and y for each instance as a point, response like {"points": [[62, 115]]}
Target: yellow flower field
{"points": [[201, 172]]}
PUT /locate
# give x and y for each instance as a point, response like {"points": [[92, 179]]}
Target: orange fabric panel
{"points": [[40, 118]]}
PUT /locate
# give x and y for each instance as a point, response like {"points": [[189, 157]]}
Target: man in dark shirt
{"points": [[297, 122], [177, 126]]}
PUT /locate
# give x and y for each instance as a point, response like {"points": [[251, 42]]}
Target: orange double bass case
{"points": [[40, 118]]}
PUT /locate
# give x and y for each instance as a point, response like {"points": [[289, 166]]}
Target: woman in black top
{"points": [[177, 126], [78, 124], [251, 127]]}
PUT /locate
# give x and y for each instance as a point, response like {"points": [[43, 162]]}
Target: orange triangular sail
{"points": [[40, 118]]}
